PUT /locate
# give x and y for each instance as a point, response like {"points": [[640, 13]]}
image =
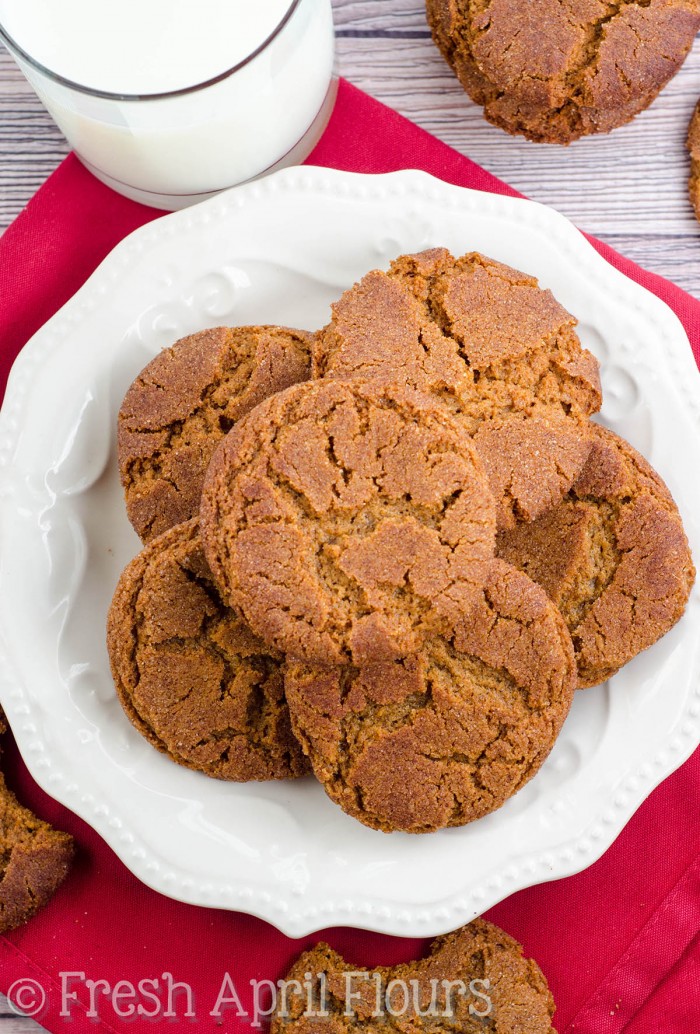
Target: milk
{"points": [[107, 59]]}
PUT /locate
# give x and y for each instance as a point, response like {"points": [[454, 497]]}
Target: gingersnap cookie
{"points": [[554, 71], [693, 143], [612, 555], [345, 522], [34, 859], [473, 980], [184, 402], [531, 463], [491, 346], [189, 673], [446, 736]]}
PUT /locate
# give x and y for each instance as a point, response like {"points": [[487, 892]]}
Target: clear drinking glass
{"points": [[172, 149]]}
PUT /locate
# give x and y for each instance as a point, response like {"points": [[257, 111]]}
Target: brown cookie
{"points": [[557, 70], [491, 346], [446, 736], [345, 521], [473, 980], [184, 402], [693, 143], [613, 556], [531, 463], [34, 859], [190, 675]]}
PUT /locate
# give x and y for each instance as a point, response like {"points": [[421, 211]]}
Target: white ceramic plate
{"points": [[280, 250]]}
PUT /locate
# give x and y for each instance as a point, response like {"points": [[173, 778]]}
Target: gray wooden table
{"points": [[628, 188]]}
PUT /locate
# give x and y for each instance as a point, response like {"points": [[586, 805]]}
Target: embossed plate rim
{"points": [[53, 759]]}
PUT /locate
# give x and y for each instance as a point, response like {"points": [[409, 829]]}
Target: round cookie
{"points": [[693, 143], [491, 346], [189, 673], [473, 980], [345, 522], [557, 70], [448, 735], [184, 402], [34, 858], [612, 555]]}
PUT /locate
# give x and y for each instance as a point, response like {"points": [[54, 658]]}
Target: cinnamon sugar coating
{"points": [[472, 980], [556, 70], [613, 556], [190, 675], [183, 403], [345, 521], [444, 737]]}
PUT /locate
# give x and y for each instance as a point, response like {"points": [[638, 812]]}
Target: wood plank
{"points": [[10, 1023], [380, 16]]}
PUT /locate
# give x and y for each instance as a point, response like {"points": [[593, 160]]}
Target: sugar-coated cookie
{"points": [[613, 556], [446, 736], [345, 521], [190, 675], [184, 402], [487, 343], [473, 980], [556, 70], [34, 859]]}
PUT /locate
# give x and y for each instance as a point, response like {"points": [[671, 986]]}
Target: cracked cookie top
{"points": [[446, 736], [472, 980], [190, 675], [492, 347], [612, 555], [345, 520], [184, 402], [485, 339], [556, 70]]}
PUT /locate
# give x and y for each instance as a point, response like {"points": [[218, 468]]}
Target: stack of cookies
{"points": [[389, 551]]}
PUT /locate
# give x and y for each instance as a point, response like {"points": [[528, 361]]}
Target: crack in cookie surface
{"points": [[344, 521], [612, 555], [184, 402], [446, 736], [190, 674], [559, 69], [323, 993]]}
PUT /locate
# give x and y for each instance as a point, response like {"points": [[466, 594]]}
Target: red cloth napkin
{"points": [[619, 943]]}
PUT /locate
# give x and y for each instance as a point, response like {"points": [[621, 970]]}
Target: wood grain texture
{"points": [[12, 1024], [629, 188]]}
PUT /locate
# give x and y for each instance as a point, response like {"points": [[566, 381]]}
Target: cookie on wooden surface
{"points": [[557, 70], [446, 736], [693, 143]]}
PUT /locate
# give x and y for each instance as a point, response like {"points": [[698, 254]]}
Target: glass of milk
{"points": [[170, 101]]}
